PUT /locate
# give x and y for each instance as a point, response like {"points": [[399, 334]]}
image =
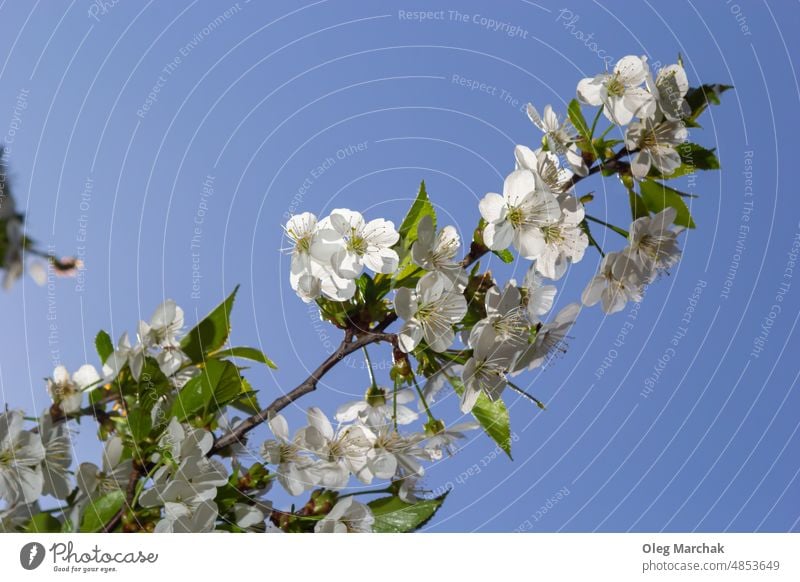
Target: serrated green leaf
{"points": [[139, 423], [393, 515], [657, 197], [101, 510], [246, 353], [576, 117], [104, 345], [246, 402], [699, 98], [491, 415], [211, 333], [230, 386], [43, 523], [408, 228], [198, 392]]}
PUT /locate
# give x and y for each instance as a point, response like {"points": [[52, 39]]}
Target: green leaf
{"points": [[43, 523], [210, 334], [698, 157], [700, 97], [393, 515], [230, 386], [421, 207], [246, 353], [104, 345], [657, 197], [491, 415], [246, 402], [101, 510], [140, 423], [576, 117], [198, 392], [505, 255]]}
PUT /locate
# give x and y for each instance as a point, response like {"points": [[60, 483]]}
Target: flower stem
{"points": [[369, 368], [422, 397], [522, 392], [394, 403], [618, 230]]}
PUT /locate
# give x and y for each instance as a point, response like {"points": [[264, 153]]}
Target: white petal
{"points": [[492, 207]]}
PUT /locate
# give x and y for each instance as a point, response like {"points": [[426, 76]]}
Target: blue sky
{"points": [[137, 123]]}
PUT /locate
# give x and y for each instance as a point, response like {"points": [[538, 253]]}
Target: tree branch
{"points": [[351, 343]]}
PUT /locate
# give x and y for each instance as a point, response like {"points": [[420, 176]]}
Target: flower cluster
{"points": [[364, 445], [329, 254], [173, 455]]}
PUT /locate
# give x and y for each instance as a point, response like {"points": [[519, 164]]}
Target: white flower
{"points": [[162, 332], [561, 136], [670, 88], [180, 442], [365, 243], [444, 440], [295, 470], [68, 393], [545, 165], [395, 453], [347, 516], [408, 489], [377, 409], [311, 272], [538, 298], [656, 143], [517, 215], [113, 476], [341, 453], [124, 354], [57, 458], [564, 241], [437, 253], [164, 327], [506, 319], [549, 339], [249, 517], [654, 243], [620, 280], [429, 313], [194, 482], [620, 93], [21, 454], [486, 370], [183, 518]]}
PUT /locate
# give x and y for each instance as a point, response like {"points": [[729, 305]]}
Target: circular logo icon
{"points": [[31, 555]]}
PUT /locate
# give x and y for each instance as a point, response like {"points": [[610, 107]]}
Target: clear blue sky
{"points": [[256, 103]]}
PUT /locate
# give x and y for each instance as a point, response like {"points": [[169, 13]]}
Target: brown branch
{"points": [[350, 344]]}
